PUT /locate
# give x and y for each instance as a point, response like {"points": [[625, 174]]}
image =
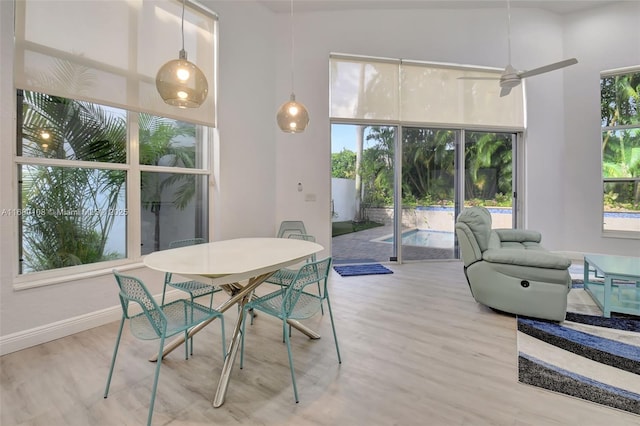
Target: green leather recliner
{"points": [[508, 270]]}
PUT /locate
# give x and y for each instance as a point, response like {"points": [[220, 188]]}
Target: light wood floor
{"points": [[416, 350]]}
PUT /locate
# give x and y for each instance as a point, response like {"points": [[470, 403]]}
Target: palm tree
{"points": [[620, 112], [72, 223], [492, 153], [159, 146]]}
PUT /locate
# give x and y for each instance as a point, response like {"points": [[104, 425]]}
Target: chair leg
{"points": [[244, 322], [251, 312], [190, 342], [320, 294], [155, 382], [211, 300], [293, 374], [113, 358], [164, 291], [333, 327]]}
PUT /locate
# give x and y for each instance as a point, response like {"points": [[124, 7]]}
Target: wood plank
{"points": [[416, 348]]}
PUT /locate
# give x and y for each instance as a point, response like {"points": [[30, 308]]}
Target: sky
{"points": [[343, 136]]}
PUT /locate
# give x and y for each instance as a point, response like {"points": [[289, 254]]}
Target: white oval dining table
{"points": [[238, 266]]}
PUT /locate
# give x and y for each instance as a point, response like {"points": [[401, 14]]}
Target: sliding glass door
{"points": [[429, 173], [377, 195], [489, 178], [363, 193]]}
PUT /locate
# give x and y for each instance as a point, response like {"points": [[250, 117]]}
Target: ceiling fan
{"points": [[511, 77]]}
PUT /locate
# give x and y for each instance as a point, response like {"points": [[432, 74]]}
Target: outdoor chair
{"points": [[157, 322], [293, 302], [194, 288]]}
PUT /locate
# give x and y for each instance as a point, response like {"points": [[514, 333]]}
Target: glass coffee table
{"points": [[618, 285]]}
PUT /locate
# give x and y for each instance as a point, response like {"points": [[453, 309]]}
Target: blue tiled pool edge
{"points": [[504, 210]]}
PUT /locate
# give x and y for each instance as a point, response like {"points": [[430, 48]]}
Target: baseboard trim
{"points": [[46, 333], [35, 336]]}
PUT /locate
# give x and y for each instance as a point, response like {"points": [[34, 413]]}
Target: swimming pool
{"points": [[425, 238]]}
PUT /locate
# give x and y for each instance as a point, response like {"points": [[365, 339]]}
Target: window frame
{"points": [[133, 170], [136, 78], [615, 233]]}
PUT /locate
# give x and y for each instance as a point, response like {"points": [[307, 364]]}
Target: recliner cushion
{"points": [[535, 258], [518, 235], [469, 249], [521, 246], [479, 221]]}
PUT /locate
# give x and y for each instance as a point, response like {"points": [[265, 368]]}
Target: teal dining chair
{"points": [[291, 227], [157, 322], [194, 288], [283, 277], [294, 303]]}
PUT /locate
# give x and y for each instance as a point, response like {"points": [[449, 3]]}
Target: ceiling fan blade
{"points": [[504, 91], [480, 78], [547, 68]]}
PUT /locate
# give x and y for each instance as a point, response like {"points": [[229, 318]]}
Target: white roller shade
{"points": [[364, 89], [457, 96], [413, 92], [109, 52]]}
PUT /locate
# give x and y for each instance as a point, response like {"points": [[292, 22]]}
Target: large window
{"points": [[427, 140], [620, 112], [106, 170], [80, 193]]}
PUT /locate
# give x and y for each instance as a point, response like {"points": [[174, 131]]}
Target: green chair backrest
{"points": [[186, 242], [291, 227], [305, 237], [309, 273], [133, 290], [182, 243]]}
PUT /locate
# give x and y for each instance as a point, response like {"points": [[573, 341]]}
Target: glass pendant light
{"points": [[180, 82], [292, 116]]}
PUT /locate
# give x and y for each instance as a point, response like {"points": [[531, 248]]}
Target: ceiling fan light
{"points": [[292, 117]]}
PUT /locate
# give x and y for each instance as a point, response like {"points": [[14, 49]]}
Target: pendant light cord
{"points": [[509, 32], [292, 44], [182, 24]]}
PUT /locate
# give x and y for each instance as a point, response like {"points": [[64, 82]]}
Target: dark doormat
{"points": [[354, 270]]}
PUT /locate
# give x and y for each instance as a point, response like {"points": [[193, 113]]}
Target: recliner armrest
{"points": [[518, 235], [533, 258]]}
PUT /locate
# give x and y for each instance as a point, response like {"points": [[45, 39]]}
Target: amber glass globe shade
{"points": [[292, 116], [180, 83]]}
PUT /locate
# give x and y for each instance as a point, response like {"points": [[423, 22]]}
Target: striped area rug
{"points": [[586, 356]]}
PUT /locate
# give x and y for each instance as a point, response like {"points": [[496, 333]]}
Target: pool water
{"points": [[426, 238]]}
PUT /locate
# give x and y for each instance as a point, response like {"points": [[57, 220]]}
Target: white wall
{"points": [[556, 176], [343, 192], [602, 39], [243, 196], [259, 167], [245, 186], [457, 36]]}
